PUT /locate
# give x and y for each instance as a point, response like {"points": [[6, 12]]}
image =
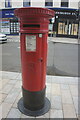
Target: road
{"points": [[11, 55], [64, 54]]}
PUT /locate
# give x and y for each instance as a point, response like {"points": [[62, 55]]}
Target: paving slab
{"points": [[55, 89], [66, 97], [69, 111], [14, 113], [7, 88], [56, 102], [56, 113], [6, 107], [9, 75], [74, 90], [11, 97]]}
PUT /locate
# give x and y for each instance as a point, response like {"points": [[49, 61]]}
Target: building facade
{"points": [[64, 24]]}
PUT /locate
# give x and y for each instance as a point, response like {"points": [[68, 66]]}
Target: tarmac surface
{"points": [[10, 54]]}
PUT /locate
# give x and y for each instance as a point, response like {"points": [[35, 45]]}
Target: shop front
{"points": [[9, 23], [66, 23], [67, 27]]}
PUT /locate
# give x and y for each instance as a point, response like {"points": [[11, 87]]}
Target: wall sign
{"points": [[30, 42], [5, 28], [66, 13], [8, 13]]}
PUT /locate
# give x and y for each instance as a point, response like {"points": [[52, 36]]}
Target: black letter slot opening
{"points": [[31, 25]]}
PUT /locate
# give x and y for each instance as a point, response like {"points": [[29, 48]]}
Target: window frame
{"points": [[48, 3], [8, 3], [26, 3], [64, 3]]}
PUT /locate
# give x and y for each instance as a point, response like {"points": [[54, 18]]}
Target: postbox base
{"points": [[28, 112]]}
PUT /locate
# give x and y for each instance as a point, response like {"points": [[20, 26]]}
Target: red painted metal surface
{"points": [[34, 21]]}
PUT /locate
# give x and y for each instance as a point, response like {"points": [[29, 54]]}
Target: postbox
{"points": [[33, 46]]}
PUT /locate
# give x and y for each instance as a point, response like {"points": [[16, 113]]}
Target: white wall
{"points": [[17, 3], [56, 3], [73, 4], [37, 3], [2, 4]]}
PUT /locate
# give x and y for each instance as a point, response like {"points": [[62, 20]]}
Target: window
{"points": [[26, 3], [64, 3], [8, 3], [67, 27], [48, 3]]}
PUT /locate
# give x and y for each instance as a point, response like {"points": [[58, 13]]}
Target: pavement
{"points": [[62, 92], [54, 39], [64, 40]]}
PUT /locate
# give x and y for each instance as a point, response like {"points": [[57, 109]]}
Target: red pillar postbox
{"points": [[33, 45]]}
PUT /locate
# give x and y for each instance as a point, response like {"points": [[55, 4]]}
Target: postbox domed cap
{"points": [[34, 11]]}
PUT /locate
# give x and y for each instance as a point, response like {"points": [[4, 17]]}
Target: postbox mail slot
{"points": [[31, 25]]}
